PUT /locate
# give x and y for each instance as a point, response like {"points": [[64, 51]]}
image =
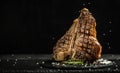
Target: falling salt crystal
{"points": [[37, 63], [63, 65], [89, 3], [53, 38], [108, 43], [104, 34], [109, 47], [13, 64], [43, 62], [16, 59], [116, 65], [12, 55], [7, 60], [58, 63], [83, 4], [29, 57], [58, 70], [53, 63], [110, 30], [118, 58], [108, 68], [75, 66], [66, 71], [0, 60], [110, 22], [116, 69], [99, 60], [89, 69], [85, 65], [50, 71], [41, 67], [112, 55]]}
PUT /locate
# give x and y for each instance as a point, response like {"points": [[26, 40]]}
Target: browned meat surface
{"points": [[80, 41]]}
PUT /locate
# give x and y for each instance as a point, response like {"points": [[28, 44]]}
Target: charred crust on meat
{"points": [[80, 41]]}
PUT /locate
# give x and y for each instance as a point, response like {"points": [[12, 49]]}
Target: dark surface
{"points": [[61, 65], [30, 63]]}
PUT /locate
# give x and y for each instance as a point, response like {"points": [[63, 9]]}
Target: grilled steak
{"points": [[80, 41]]}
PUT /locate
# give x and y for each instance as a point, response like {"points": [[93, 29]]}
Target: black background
{"points": [[35, 26]]}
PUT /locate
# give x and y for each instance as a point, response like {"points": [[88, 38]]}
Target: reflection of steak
{"points": [[79, 42]]}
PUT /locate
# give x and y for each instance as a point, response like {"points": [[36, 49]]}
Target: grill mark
{"points": [[86, 34]]}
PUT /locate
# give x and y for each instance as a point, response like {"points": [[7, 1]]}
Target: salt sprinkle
{"points": [[83, 4], [109, 47], [12, 55], [89, 3], [13, 64], [110, 30], [116, 69], [29, 57], [108, 68], [110, 22], [16, 59], [58, 69], [108, 43], [106, 62], [37, 63], [116, 65], [89, 69], [104, 34], [7, 60], [41, 67], [53, 38], [43, 62]]}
